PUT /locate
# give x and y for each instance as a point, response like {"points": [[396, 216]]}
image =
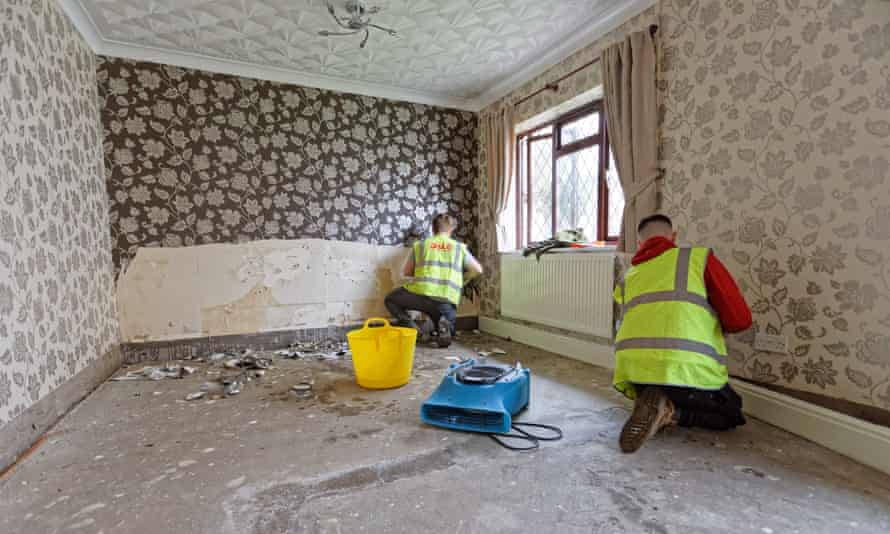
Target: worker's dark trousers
{"points": [[714, 410], [400, 301]]}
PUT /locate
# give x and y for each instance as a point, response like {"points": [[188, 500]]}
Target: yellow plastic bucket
{"points": [[382, 356]]}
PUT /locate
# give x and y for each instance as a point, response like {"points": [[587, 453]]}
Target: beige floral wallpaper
{"points": [[195, 157], [57, 312], [776, 138], [776, 130], [583, 81]]}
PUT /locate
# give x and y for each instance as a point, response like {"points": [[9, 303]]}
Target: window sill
{"points": [[599, 249]]}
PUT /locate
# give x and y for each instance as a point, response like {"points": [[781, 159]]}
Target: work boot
{"points": [[653, 410], [425, 330], [444, 329], [406, 323]]}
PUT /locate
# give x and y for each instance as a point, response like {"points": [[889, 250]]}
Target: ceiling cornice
{"points": [[600, 24], [107, 47]]}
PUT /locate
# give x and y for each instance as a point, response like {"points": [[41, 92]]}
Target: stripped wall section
{"points": [[261, 286]]}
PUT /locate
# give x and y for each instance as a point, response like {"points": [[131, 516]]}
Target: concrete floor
{"points": [[136, 458]]}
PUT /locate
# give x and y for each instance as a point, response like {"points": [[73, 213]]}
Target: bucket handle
{"points": [[377, 320]]}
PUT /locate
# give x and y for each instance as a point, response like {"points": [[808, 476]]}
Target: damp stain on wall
{"points": [[212, 290]]}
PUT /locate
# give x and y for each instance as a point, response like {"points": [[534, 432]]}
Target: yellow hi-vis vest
{"points": [[669, 334], [439, 268]]}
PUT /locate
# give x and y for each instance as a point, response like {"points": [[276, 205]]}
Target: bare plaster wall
{"points": [[220, 289]]}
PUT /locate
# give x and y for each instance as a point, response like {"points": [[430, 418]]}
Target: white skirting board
{"points": [[860, 440], [572, 347]]}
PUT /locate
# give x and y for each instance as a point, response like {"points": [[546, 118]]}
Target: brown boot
{"points": [[653, 410]]}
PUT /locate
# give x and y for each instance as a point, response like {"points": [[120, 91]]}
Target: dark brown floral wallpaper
{"points": [[194, 157]]}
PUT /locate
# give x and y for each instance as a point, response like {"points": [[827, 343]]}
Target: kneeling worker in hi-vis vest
{"points": [[437, 266], [670, 356]]}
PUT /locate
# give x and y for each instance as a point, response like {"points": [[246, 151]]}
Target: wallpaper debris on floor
{"points": [[57, 312], [194, 157]]}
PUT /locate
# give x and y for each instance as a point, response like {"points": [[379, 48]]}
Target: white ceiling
{"points": [[460, 53]]}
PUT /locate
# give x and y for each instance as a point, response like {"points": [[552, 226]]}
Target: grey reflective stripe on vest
{"points": [[681, 280], [623, 309], [680, 293], [436, 281], [433, 263], [670, 296], [458, 258], [667, 343], [457, 265]]}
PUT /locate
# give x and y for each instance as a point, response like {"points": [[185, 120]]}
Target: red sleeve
{"points": [[725, 297]]}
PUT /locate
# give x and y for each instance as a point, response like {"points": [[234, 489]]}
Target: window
{"points": [[566, 179]]}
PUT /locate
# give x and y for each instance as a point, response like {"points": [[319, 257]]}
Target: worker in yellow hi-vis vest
{"points": [[670, 356], [437, 267]]}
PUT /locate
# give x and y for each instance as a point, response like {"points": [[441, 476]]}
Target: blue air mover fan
{"points": [[478, 398]]}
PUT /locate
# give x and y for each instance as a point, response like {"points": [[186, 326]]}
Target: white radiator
{"points": [[572, 291]]}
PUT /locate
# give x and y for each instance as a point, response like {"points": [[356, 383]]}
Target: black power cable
{"points": [[533, 440]]}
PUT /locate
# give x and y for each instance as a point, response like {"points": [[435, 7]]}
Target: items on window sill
{"points": [[573, 238]]}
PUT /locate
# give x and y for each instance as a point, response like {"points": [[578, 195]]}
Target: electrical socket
{"points": [[771, 343]]}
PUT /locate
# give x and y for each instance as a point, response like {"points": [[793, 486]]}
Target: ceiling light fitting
{"points": [[357, 20]]}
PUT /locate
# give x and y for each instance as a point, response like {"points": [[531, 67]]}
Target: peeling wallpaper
{"points": [[776, 138], [195, 158], [57, 312]]}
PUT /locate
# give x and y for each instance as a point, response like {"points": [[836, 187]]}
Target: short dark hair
{"points": [[443, 221], [658, 217]]}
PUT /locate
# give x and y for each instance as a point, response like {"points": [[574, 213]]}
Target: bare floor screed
{"points": [[137, 457]]}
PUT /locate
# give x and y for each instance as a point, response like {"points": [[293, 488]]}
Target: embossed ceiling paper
{"points": [[458, 48]]}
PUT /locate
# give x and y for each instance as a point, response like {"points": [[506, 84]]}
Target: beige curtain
{"points": [[500, 143], [629, 93]]}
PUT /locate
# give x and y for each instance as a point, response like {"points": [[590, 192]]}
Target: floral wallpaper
{"points": [[776, 130], [583, 81], [57, 312], [194, 157], [776, 138]]}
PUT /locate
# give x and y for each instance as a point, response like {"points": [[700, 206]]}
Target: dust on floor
{"points": [[137, 457]]}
